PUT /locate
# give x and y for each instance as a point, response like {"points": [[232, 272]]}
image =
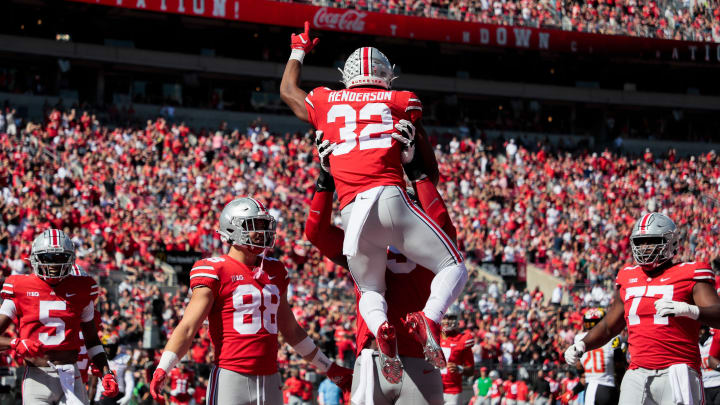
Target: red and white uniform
{"points": [[510, 388], [51, 315], [360, 121], [710, 377], [180, 381], [243, 320], [495, 391], [458, 350], [659, 342]]}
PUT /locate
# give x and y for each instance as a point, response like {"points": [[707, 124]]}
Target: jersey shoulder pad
{"points": [[315, 95], [625, 274], [700, 271], [86, 283], [8, 287], [205, 272], [275, 268]]}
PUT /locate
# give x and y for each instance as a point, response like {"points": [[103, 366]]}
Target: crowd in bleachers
{"points": [[669, 19], [124, 194]]}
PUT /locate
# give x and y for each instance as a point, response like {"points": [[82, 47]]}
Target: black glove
{"points": [[415, 170], [325, 182]]}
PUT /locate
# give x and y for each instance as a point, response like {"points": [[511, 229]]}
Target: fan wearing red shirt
{"points": [[293, 388], [663, 304], [365, 133], [408, 286], [457, 347], [50, 308], [243, 295]]}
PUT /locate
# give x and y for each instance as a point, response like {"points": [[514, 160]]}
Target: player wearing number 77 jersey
{"points": [[243, 295], [50, 308], [369, 132], [663, 304]]}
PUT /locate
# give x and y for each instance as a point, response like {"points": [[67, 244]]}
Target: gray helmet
{"points": [[654, 239], [242, 216], [450, 321], [367, 66], [494, 375], [52, 255]]}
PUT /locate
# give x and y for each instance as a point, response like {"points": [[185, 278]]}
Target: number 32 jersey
{"points": [[657, 342], [360, 121], [243, 319], [52, 315]]}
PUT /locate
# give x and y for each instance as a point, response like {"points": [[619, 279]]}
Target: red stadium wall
{"points": [[421, 28]]}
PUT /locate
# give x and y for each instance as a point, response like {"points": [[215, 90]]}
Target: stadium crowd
{"points": [[124, 194], [669, 19]]}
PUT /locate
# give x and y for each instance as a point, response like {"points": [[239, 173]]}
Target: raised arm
{"points": [[290, 90]]}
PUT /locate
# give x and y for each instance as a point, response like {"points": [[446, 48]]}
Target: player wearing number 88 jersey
{"points": [[663, 304], [243, 295]]}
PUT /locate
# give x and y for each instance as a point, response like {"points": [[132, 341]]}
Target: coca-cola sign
{"points": [[338, 19]]}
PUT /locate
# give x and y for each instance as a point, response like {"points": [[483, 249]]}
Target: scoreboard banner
{"points": [[427, 29]]}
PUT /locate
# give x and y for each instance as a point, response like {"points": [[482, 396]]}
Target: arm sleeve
{"points": [[8, 290], [311, 101], [318, 229], [204, 274], [434, 205], [703, 273], [413, 107]]}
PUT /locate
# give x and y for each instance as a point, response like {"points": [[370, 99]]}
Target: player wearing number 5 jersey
{"points": [[50, 308], [243, 295], [368, 132], [599, 364], [663, 304]]}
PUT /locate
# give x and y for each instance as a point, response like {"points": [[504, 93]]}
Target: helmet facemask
{"points": [[256, 232], [650, 250], [52, 266]]}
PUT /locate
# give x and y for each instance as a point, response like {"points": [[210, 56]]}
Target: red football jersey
{"points": [[657, 342], [360, 121], [51, 314], [510, 389], [408, 288], [495, 391], [458, 350], [243, 320], [180, 381]]}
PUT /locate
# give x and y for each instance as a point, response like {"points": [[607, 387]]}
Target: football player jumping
{"points": [[50, 307], [599, 364], [365, 133], [408, 287], [663, 304], [243, 293]]}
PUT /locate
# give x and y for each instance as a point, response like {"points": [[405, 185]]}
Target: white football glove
{"points": [[666, 307], [406, 137], [324, 148], [574, 353]]}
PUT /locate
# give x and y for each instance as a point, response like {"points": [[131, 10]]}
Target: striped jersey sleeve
{"points": [[204, 274], [703, 272], [8, 291], [413, 106], [313, 100]]}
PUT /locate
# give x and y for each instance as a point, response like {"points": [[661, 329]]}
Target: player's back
{"points": [[243, 320], [49, 314], [360, 121], [599, 364], [657, 342]]}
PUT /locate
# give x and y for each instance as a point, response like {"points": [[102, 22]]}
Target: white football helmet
{"points": [[654, 239], [367, 66], [242, 216], [450, 321], [52, 255]]}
